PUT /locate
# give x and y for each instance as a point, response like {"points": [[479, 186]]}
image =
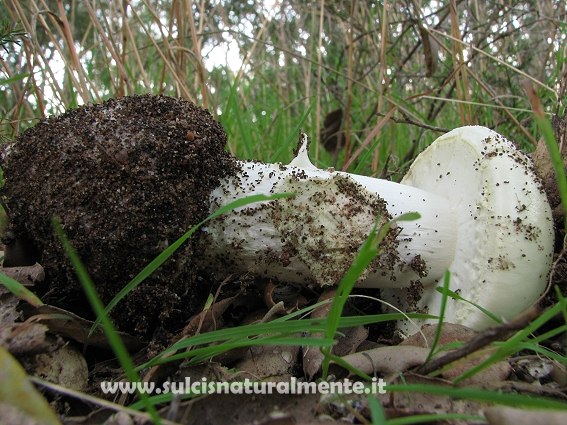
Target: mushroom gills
{"points": [[504, 243]]}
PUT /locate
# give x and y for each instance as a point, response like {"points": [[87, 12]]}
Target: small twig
{"points": [[94, 400], [496, 333], [407, 120]]}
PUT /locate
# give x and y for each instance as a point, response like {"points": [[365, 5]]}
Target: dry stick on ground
{"points": [[87, 398], [496, 333]]}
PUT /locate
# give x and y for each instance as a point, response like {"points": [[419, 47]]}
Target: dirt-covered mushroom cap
{"points": [[126, 178], [504, 240]]}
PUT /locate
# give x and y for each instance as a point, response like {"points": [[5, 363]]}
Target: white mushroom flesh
{"points": [[483, 213], [314, 236], [505, 233]]}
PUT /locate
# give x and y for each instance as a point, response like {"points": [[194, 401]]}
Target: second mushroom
{"points": [[484, 217]]}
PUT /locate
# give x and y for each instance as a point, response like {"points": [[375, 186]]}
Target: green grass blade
{"points": [[170, 250], [563, 302], [367, 253], [113, 338], [455, 296], [477, 394], [347, 366], [376, 411], [544, 351], [19, 290], [18, 77], [437, 418], [164, 399], [280, 328], [446, 283], [513, 344], [202, 355]]}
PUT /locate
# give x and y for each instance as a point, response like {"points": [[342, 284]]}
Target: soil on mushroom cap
{"points": [[126, 178]]}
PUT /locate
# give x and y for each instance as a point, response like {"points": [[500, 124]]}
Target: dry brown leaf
{"points": [[209, 319], [17, 337], [8, 311], [388, 360], [288, 295], [312, 361], [330, 135], [449, 333], [270, 361], [498, 371], [26, 275], [71, 326], [459, 333], [24, 338], [430, 50], [312, 356], [64, 366], [398, 404], [351, 340]]}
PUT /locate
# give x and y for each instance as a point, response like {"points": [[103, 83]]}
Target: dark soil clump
{"points": [[126, 178]]}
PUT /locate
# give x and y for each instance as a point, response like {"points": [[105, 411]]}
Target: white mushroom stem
{"points": [[483, 214], [314, 236]]}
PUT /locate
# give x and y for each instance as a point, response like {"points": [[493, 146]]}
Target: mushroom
{"points": [[484, 217], [129, 176]]}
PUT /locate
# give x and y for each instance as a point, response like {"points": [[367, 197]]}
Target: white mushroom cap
{"points": [[504, 242]]}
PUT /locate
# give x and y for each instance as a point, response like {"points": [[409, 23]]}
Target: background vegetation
{"points": [[385, 76], [372, 83]]}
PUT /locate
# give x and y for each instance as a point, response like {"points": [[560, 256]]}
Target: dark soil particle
{"points": [[126, 178]]}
